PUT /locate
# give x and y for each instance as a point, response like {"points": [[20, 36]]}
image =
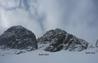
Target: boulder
{"points": [[61, 40], [18, 37]]}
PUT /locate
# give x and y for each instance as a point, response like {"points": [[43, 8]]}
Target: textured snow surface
{"points": [[39, 56]]}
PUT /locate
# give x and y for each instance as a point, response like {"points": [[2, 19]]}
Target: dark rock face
{"points": [[96, 43], [49, 36], [59, 39], [18, 37]]}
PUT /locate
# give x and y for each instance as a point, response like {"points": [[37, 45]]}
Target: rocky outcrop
{"points": [[59, 39], [96, 43], [18, 37]]}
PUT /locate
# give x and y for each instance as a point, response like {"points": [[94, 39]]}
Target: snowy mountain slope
{"points": [[40, 56], [79, 17], [8, 55], [6, 52]]}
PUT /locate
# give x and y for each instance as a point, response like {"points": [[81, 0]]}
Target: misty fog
{"points": [[78, 17]]}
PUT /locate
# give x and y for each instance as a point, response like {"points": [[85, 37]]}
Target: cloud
{"points": [[14, 15], [79, 17]]}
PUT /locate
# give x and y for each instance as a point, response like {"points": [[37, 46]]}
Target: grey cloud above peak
{"points": [[79, 17]]}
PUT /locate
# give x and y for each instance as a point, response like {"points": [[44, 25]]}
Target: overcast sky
{"points": [[79, 17]]}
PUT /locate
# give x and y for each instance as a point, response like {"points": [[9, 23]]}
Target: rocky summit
{"points": [[18, 37], [61, 40]]}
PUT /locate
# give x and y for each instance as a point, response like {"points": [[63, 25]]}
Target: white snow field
{"points": [[39, 56]]}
